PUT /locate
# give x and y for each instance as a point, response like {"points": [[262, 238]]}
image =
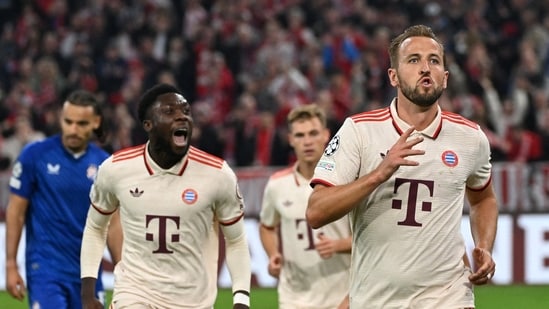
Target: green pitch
{"points": [[488, 297]]}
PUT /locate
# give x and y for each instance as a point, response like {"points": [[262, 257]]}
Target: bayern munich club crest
{"points": [[189, 196], [449, 158], [332, 147]]}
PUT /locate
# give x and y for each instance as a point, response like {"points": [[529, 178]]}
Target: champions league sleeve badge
{"points": [[332, 147]]}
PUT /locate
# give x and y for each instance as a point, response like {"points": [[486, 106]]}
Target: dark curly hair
{"points": [[150, 96]]}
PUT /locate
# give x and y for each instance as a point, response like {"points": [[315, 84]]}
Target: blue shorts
{"points": [[49, 293]]}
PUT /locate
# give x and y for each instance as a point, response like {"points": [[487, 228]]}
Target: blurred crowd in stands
{"points": [[245, 63]]}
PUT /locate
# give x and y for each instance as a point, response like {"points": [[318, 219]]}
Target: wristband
{"points": [[241, 297]]}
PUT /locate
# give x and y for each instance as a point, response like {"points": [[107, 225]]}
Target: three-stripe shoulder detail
{"points": [[282, 173], [200, 156], [458, 119], [128, 153], [372, 116]]}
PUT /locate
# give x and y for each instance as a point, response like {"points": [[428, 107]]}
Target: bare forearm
{"points": [[15, 220], [13, 236], [483, 218], [115, 238], [88, 287], [269, 240], [327, 204]]}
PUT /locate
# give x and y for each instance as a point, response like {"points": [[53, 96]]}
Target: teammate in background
{"points": [[312, 266], [172, 199], [402, 173], [50, 186]]}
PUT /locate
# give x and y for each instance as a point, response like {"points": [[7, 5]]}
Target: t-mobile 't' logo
{"points": [[412, 199], [162, 229]]}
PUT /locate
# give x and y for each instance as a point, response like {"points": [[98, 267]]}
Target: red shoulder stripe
{"points": [[375, 115], [455, 118], [282, 172], [205, 158], [128, 153]]}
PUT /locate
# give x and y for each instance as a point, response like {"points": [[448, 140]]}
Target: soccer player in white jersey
{"points": [[402, 173], [172, 199], [312, 266]]}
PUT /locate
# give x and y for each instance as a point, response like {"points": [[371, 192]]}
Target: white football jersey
{"points": [[306, 280], [170, 223], [407, 244]]}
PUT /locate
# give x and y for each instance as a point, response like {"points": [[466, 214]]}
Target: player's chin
{"points": [[180, 149], [312, 158], [73, 141]]}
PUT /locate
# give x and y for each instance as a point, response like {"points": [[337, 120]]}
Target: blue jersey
{"points": [[57, 186]]}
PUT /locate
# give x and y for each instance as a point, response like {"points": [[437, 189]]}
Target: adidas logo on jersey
{"points": [[136, 192]]}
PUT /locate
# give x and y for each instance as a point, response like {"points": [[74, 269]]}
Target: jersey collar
{"points": [[298, 177], [401, 126], [154, 168]]}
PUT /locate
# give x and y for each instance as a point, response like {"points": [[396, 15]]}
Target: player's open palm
{"points": [[399, 155], [15, 284]]}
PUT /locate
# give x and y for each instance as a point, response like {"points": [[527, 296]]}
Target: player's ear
{"points": [[393, 77], [147, 125], [290, 139], [96, 122]]}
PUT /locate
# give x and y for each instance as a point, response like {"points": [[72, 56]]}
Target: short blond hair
{"points": [[307, 111]]}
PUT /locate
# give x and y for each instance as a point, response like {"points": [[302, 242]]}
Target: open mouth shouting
{"points": [[180, 137]]}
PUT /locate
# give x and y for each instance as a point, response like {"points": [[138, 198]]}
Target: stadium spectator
{"points": [[49, 187], [501, 41], [401, 174], [22, 134], [312, 266], [207, 134], [172, 199]]}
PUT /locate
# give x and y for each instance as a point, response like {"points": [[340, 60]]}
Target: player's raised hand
{"points": [[275, 264], [399, 154], [484, 266]]}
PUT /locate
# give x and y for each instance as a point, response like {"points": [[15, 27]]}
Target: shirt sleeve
{"points": [[23, 176], [101, 193], [229, 207], [483, 169], [268, 215], [104, 203], [340, 162]]}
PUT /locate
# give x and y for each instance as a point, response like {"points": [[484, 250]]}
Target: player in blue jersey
{"points": [[49, 195]]}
